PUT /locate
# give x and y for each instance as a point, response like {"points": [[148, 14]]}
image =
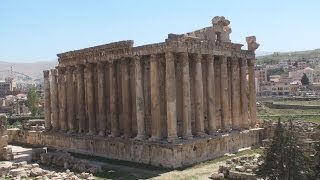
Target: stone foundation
{"points": [[170, 155]]}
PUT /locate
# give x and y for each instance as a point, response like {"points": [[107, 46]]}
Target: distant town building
{"points": [[297, 75], [274, 89], [261, 74]]}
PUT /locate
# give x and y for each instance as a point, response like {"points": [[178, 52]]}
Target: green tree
{"points": [[315, 168], [33, 101], [273, 166], [295, 160], [284, 158], [305, 79]]}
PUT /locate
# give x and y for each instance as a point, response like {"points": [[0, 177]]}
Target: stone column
{"points": [[244, 101], [252, 93], [217, 94], [91, 100], [54, 100], [225, 124], [101, 99], [198, 89], [63, 100], [47, 102], [113, 98], [186, 109], [139, 100], [125, 85], [235, 93], [211, 99], [171, 97], [70, 100], [155, 99], [81, 99]]}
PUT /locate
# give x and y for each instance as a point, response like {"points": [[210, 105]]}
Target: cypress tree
{"points": [[273, 166]]}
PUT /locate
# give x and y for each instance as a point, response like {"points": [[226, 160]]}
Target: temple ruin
{"points": [[167, 104]]}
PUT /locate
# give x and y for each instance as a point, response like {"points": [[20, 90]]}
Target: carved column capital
{"points": [[224, 59], [101, 66], [136, 60], [79, 68], [70, 69], [153, 57], [46, 73], [198, 57], [61, 70], [53, 72], [89, 65]]}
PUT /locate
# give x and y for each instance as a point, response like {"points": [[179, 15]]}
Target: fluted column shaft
{"points": [[198, 89], [70, 100], [139, 100], [235, 94], [186, 109], [225, 123], [47, 103], [101, 99], [113, 97], [155, 99], [54, 101], [81, 99], [171, 97], [212, 128], [252, 93], [63, 100], [125, 98], [90, 100], [244, 102], [217, 94]]}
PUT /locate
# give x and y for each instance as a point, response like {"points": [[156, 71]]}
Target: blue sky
{"points": [[36, 30]]}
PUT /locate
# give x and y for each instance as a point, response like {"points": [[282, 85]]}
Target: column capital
{"points": [[70, 69], [61, 70], [136, 57], [46, 73], [153, 57], [79, 68], [101, 66], [169, 55], [185, 58], [53, 72], [136, 60], [210, 57], [198, 57]]}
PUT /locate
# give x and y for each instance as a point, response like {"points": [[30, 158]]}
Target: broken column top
{"points": [[219, 31]]}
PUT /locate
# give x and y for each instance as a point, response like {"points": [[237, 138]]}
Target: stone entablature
{"points": [[125, 49]]}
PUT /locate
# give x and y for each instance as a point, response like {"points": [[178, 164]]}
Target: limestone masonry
{"points": [[157, 97]]}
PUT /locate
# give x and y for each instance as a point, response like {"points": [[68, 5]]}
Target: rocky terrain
{"points": [[24, 170], [243, 167]]}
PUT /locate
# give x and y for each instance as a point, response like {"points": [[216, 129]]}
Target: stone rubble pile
{"points": [[25, 170], [303, 126], [33, 125], [66, 160], [243, 167]]}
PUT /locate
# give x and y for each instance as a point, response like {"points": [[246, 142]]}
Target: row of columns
{"points": [[70, 97]]}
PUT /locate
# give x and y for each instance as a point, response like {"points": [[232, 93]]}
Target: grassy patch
{"points": [[292, 102]]}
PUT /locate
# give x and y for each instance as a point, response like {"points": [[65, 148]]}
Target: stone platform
{"points": [[162, 154]]}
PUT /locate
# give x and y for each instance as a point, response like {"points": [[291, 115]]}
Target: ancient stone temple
{"points": [[168, 104]]}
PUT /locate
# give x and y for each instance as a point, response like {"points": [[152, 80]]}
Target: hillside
{"points": [[35, 70], [276, 57]]}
